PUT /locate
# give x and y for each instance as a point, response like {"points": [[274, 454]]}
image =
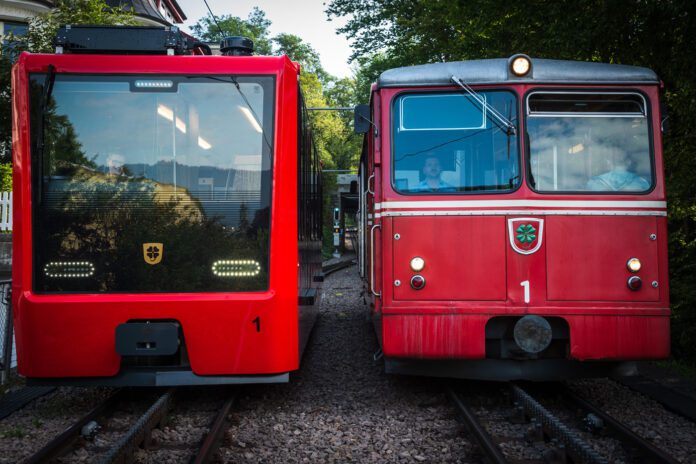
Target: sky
{"points": [[305, 18]]}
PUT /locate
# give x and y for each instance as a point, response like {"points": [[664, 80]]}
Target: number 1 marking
{"points": [[257, 321], [525, 284]]}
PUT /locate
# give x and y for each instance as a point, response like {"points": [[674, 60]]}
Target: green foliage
{"points": [[654, 33], [337, 145], [5, 177], [255, 27], [297, 50], [43, 28], [39, 39]]}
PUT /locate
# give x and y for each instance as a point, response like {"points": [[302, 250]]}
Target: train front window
{"points": [[589, 142], [449, 143], [152, 183]]}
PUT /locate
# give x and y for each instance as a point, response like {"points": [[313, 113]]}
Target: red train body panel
{"points": [[228, 337], [479, 279]]}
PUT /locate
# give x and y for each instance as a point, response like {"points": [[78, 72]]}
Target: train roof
{"points": [[496, 71]]}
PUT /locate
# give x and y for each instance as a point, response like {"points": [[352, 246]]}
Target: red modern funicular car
{"points": [[167, 212], [514, 218]]}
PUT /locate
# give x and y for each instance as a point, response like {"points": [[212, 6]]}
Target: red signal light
{"points": [[417, 282], [634, 283]]}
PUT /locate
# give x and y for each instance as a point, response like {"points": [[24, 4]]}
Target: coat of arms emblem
{"points": [[152, 252], [525, 234]]}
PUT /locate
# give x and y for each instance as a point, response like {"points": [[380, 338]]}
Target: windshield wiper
{"points": [[255, 116], [40, 130], [498, 118], [246, 102]]}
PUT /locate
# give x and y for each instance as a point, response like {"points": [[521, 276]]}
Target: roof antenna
{"points": [[222, 34]]}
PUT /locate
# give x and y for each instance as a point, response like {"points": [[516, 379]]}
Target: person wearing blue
{"points": [[619, 178], [432, 181]]}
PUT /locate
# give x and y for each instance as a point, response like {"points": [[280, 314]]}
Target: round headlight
{"points": [[520, 66], [633, 265], [417, 264]]}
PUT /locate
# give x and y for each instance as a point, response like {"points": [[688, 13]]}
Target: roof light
{"points": [[203, 143], [520, 65], [251, 118], [153, 84]]}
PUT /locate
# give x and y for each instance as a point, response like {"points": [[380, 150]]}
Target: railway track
{"points": [[540, 428], [100, 436], [673, 400], [331, 268]]}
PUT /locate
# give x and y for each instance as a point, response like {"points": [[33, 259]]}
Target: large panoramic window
{"points": [[151, 183], [589, 142], [452, 143]]}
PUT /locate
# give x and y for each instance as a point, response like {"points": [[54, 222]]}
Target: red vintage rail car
{"points": [[167, 215], [514, 218]]}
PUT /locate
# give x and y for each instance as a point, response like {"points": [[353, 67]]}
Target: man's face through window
{"points": [[432, 168]]}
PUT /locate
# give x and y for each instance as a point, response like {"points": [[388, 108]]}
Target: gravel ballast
{"points": [[341, 406]]}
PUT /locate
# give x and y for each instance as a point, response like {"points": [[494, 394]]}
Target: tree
{"points": [[297, 50], [255, 27], [39, 39]]}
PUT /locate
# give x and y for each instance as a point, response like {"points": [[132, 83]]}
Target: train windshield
{"points": [[589, 142], [449, 143], [151, 183]]}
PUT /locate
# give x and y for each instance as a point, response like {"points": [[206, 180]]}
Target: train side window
{"points": [[589, 142]]}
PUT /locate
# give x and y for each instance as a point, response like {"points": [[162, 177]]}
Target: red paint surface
{"points": [[579, 272], [587, 258], [462, 336], [73, 335], [464, 257]]}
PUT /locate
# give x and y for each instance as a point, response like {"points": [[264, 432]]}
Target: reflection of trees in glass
{"points": [[243, 217], [105, 219], [62, 148]]}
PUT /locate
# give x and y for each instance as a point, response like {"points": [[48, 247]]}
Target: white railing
{"points": [[6, 211]]}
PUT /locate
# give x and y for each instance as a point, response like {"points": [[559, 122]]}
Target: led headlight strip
{"points": [[236, 268], [69, 269]]}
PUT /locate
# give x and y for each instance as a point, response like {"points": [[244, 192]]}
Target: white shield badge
{"points": [[525, 234]]}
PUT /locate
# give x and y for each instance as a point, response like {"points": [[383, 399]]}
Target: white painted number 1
{"points": [[525, 284]]}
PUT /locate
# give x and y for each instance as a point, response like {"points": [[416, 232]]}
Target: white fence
{"points": [[6, 211]]}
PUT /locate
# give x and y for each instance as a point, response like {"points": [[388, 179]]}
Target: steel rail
{"points": [[620, 431], [491, 451], [212, 440], [56, 447], [139, 433], [575, 446], [331, 268]]}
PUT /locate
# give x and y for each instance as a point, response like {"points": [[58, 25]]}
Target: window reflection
{"points": [[447, 143], [186, 166], [589, 142]]}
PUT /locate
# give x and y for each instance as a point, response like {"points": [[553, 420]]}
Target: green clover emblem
{"points": [[526, 233]]}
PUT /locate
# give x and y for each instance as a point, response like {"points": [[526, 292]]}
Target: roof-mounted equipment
{"points": [[237, 46], [126, 40]]}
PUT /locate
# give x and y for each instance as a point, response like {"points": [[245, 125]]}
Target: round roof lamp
{"points": [[520, 65]]}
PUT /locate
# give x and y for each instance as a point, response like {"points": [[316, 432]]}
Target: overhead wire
{"points": [[222, 34]]}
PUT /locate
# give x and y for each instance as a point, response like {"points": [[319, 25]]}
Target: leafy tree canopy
{"points": [[39, 39], [255, 27]]}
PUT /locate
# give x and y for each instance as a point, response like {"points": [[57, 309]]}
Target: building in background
{"points": [[15, 14]]}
